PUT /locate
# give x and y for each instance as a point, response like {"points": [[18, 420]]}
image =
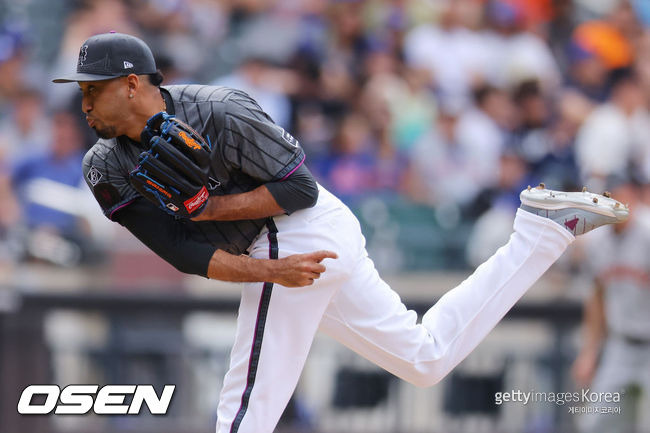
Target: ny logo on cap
{"points": [[83, 53]]}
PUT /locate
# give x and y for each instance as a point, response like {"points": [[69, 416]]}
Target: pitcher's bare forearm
{"points": [[255, 204], [293, 271], [297, 191]]}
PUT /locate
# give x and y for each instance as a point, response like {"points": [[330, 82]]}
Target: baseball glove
{"points": [[174, 172]]}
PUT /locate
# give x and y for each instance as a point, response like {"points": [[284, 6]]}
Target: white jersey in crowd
{"points": [[622, 264]]}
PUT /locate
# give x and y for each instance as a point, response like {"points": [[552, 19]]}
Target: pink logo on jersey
{"points": [[571, 224], [197, 201]]}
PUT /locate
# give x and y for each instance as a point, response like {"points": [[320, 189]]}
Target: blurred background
{"points": [[426, 117]]}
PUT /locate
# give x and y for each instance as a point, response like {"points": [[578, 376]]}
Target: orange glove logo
{"points": [[159, 188], [189, 141]]}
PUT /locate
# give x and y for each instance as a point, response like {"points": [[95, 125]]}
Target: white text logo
{"points": [[81, 399]]}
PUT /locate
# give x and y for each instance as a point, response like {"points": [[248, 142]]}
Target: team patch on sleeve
{"points": [[106, 194], [288, 137], [94, 176]]}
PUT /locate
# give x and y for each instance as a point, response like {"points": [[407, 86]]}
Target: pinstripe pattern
{"points": [[248, 151]]}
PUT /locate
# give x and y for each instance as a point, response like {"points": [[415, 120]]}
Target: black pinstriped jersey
{"points": [[248, 150]]}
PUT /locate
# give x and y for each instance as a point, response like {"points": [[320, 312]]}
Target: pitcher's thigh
{"points": [[367, 316], [275, 330]]}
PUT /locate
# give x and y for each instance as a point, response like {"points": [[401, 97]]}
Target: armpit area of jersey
{"points": [[298, 191], [166, 237]]}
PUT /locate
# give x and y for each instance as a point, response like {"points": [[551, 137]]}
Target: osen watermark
{"points": [[82, 399]]}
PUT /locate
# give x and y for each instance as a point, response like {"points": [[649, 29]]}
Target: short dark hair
{"points": [[525, 90], [156, 78], [620, 76], [483, 92]]}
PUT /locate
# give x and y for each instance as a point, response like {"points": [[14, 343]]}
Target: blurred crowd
{"points": [[453, 105]]}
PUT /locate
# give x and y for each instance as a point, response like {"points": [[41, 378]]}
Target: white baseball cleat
{"points": [[578, 212]]}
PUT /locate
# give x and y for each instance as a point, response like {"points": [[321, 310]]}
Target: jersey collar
{"points": [[169, 104]]}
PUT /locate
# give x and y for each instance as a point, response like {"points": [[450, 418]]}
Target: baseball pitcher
{"points": [[203, 177]]}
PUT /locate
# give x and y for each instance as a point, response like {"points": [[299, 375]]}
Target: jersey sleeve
{"points": [[253, 144], [166, 237], [107, 176]]}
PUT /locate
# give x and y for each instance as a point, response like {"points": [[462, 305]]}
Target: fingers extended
{"points": [[319, 256]]}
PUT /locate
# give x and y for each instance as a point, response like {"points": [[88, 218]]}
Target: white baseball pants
{"points": [[352, 304]]}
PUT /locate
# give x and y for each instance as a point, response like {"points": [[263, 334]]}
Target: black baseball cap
{"points": [[111, 55]]}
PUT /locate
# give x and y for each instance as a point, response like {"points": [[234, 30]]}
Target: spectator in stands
{"points": [[514, 53], [315, 111], [26, 129], [531, 136], [440, 168], [13, 68], [453, 51], [349, 42], [596, 48], [615, 135], [494, 207], [615, 351], [483, 130], [558, 167], [352, 168], [49, 189], [403, 92]]}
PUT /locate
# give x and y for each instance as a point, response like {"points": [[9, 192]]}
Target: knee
{"points": [[424, 378]]}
